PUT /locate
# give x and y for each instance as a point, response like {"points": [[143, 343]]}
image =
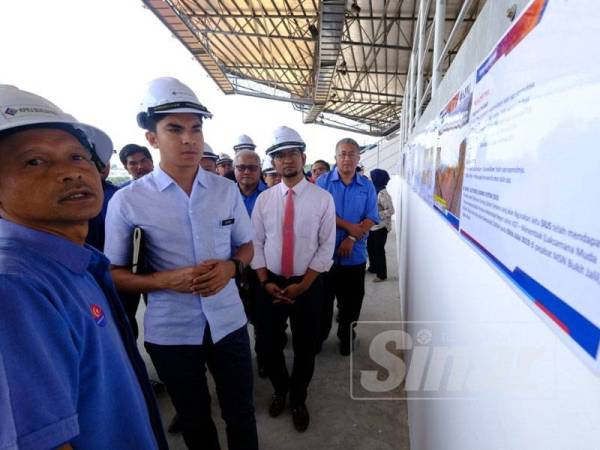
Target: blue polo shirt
{"points": [[182, 231], [250, 200], [355, 202], [72, 371]]}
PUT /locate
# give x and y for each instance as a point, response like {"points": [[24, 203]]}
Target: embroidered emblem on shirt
{"points": [[98, 315], [227, 222]]}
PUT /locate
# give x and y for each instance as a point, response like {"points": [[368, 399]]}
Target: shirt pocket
{"points": [[308, 226], [222, 239]]}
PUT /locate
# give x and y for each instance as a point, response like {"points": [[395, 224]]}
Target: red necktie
{"points": [[287, 249]]}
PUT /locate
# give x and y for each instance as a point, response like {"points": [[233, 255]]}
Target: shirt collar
{"points": [[163, 179], [336, 177], [298, 189], [76, 258], [259, 188]]}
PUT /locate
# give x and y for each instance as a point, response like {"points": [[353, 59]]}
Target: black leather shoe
{"points": [[277, 405], [175, 425], [301, 418]]}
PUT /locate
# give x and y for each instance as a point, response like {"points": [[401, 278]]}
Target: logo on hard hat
{"points": [[11, 111]]}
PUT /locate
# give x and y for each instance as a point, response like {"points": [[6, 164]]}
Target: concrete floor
{"points": [[337, 420]]}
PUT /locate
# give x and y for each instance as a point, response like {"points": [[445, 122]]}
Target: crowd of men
{"points": [[224, 241]]}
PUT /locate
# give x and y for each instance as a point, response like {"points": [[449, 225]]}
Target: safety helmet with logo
{"points": [[208, 152], [20, 110], [168, 95], [267, 166], [284, 138], [244, 142]]}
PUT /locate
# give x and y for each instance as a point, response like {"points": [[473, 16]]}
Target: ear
{"points": [[152, 139], [303, 159]]}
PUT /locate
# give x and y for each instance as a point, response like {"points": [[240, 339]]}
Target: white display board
{"points": [[517, 165]]}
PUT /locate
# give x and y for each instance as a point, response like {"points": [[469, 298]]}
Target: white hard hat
{"points": [[267, 166], [244, 142], [208, 152], [20, 109], [168, 95], [224, 158], [284, 138]]}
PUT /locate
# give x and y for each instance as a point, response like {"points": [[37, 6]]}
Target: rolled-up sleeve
{"points": [[118, 229], [323, 258], [258, 225]]}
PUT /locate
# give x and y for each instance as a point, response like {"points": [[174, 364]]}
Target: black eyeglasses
{"points": [[246, 167]]}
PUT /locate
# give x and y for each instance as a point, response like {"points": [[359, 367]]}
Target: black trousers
{"points": [[376, 249], [250, 297], [347, 284], [183, 370], [304, 321]]}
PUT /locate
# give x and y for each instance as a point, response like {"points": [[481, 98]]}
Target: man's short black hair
{"points": [[325, 163], [131, 149]]}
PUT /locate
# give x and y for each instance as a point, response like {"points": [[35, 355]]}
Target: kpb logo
{"points": [[98, 315]]}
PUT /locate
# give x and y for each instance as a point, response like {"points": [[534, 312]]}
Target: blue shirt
{"points": [[250, 200], [354, 203], [95, 235], [72, 370], [8, 431], [182, 231]]}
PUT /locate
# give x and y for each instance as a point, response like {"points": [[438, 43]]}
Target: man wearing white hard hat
{"points": [[292, 249], [244, 142], [225, 166], [70, 363], [192, 220], [269, 173], [209, 159]]}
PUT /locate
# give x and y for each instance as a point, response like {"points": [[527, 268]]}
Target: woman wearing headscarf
{"points": [[379, 232]]}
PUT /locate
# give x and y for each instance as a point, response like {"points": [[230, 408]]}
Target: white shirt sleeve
{"points": [[118, 232]]}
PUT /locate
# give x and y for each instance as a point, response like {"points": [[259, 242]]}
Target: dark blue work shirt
{"points": [[71, 368], [250, 200], [96, 233], [354, 203]]}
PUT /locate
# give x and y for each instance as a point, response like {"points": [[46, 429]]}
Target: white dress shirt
{"points": [[314, 228]]}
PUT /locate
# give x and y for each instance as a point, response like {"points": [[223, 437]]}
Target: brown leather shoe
{"points": [[301, 418], [277, 405]]}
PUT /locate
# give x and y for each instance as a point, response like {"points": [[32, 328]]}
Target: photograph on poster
{"points": [[451, 153], [424, 146]]}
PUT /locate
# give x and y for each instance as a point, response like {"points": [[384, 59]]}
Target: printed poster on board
{"points": [[532, 169]]}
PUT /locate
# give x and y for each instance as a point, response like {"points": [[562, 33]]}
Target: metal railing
{"points": [[417, 93]]}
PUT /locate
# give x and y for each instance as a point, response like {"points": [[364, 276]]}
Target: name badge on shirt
{"points": [[227, 222]]}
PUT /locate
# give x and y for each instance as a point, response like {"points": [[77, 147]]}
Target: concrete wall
{"points": [[549, 400]]}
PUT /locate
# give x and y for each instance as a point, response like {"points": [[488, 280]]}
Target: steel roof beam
{"points": [[331, 23]]}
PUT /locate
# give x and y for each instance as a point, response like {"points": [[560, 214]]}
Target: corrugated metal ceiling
{"points": [[343, 63]]}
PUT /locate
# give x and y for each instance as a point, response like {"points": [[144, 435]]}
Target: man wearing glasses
{"points": [[294, 228], [356, 212], [246, 164]]}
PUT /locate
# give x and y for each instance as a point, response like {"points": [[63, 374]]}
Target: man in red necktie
{"points": [[294, 226]]}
